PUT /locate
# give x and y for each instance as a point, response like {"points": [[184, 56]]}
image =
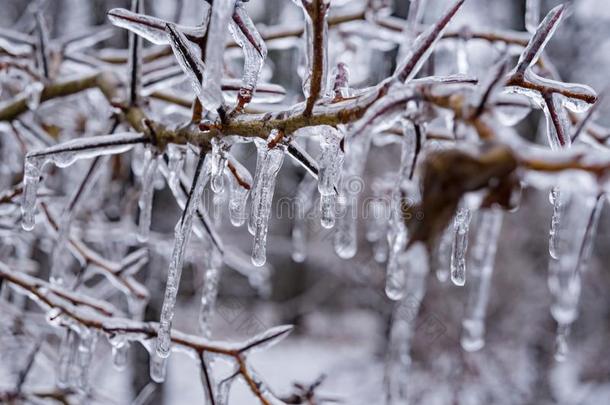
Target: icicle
{"points": [[461, 54], [532, 15], [409, 144], [182, 234], [481, 269], [239, 189], [209, 291], [31, 180], [120, 353], [398, 258], [211, 93], [175, 158], [146, 194], [33, 93], [345, 237], [460, 244], [303, 204], [86, 348], [564, 278], [67, 351], [158, 367], [255, 51], [398, 359], [555, 199], [219, 162], [264, 186], [330, 163], [397, 240], [444, 254]]}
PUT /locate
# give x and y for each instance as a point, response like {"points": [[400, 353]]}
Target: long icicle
{"points": [[481, 269], [182, 234], [398, 359], [331, 161], [264, 187], [460, 246]]}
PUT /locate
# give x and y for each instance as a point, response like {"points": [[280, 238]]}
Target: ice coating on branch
{"points": [[460, 244], [262, 198], [415, 16], [303, 204], [187, 57], [398, 357], [248, 38], [480, 271], [153, 28], [558, 127], [64, 155], [42, 45], [537, 43], [384, 112], [134, 65], [240, 184], [532, 15], [423, 46], [219, 162], [182, 234], [330, 163], [211, 93]]}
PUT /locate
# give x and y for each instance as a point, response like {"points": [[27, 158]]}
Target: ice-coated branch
{"points": [[69, 307], [316, 12], [424, 44]]}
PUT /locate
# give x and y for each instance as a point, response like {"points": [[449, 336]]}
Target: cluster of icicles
{"points": [[343, 151]]}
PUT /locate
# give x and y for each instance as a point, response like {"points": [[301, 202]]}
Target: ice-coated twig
{"points": [[255, 51], [541, 37], [64, 155], [424, 45], [152, 28], [187, 58], [211, 93], [68, 313], [42, 45], [134, 64], [316, 42]]}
